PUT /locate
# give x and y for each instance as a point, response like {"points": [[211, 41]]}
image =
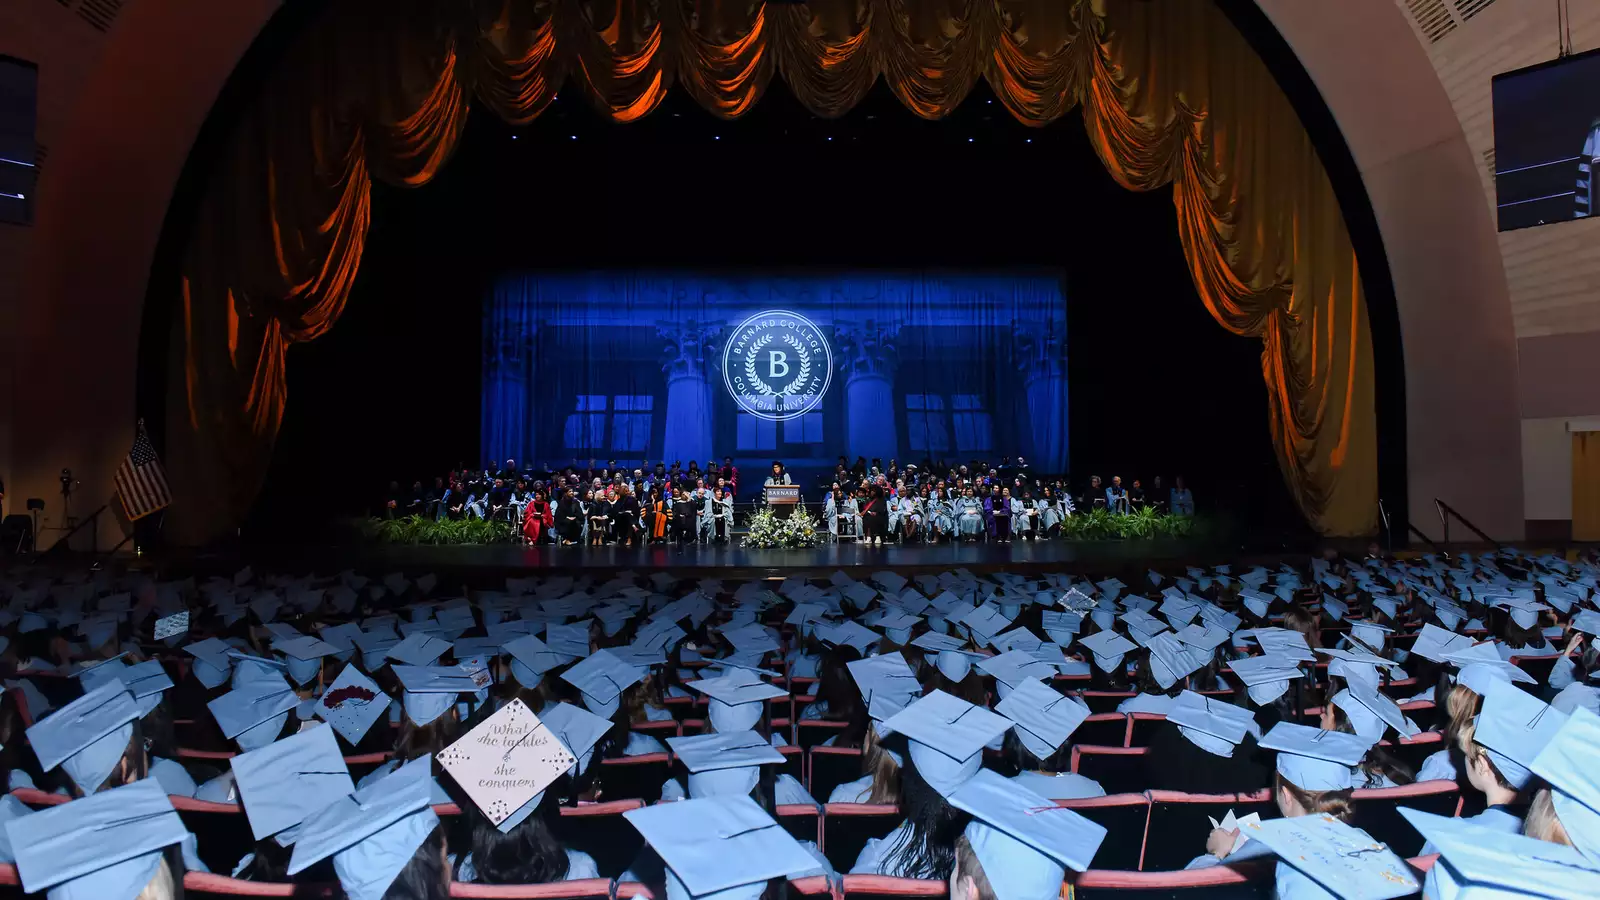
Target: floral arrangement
{"points": [[768, 531]]}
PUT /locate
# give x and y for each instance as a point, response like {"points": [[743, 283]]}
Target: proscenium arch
{"points": [[114, 172]]}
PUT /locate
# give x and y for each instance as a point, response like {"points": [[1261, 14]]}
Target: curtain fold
{"points": [[1170, 92]]}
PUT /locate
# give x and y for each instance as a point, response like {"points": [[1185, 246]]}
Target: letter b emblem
{"points": [[777, 364]]}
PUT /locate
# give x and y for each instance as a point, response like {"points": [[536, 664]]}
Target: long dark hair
{"points": [[927, 847], [425, 876], [527, 854]]}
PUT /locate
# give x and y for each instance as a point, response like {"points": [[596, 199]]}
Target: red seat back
{"points": [[1119, 770], [1175, 819]]}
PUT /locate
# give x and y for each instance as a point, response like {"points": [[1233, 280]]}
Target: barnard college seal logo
{"points": [[777, 365]]}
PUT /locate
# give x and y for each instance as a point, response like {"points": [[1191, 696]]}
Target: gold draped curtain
{"points": [[1170, 92]]}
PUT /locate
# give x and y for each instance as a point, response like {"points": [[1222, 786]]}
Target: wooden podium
{"points": [[782, 498]]}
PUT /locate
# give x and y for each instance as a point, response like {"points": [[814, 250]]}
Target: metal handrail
{"points": [[1445, 510]]}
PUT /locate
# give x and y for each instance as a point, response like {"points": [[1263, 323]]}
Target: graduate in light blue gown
{"points": [[969, 515], [1024, 517], [1038, 742], [1050, 512], [941, 514]]}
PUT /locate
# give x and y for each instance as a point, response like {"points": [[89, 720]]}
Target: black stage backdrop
{"points": [[393, 393]]}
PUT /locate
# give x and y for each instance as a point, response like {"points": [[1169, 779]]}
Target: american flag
{"points": [[141, 482]]}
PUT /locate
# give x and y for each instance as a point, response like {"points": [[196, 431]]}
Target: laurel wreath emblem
{"points": [[750, 375], [804, 357]]}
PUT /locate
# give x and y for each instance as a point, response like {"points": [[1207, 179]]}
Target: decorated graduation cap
{"points": [[736, 698], [1024, 842], [506, 763], [106, 847], [1212, 725], [286, 781], [1044, 719], [373, 833], [947, 736], [1513, 727], [303, 655], [351, 703], [719, 848], [253, 713], [1315, 759], [430, 691], [1343, 860], [724, 763], [601, 678], [88, 736]]}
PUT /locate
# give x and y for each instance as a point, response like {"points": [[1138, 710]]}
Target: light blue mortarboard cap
{"points": [[1476, 861], [419, 649], [285, 782], [1567, 763], [304, 656], [724, 762], [737, 699], [104, 847], [430, 691], [719, 848], [373, 833], [1024, 842], [1044, 718], [530, 659], [255, 712], [947, 736], [88, 736], [602, 678], [1513, 727], [1314, 759]]}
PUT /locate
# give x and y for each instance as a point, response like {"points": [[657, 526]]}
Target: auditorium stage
{"points": [[486, 563]]}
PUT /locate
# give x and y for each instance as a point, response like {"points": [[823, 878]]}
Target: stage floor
{"points": [[1080, 557]]}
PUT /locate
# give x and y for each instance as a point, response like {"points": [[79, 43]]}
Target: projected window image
{"points": [[647, 367], [1547, 142]]}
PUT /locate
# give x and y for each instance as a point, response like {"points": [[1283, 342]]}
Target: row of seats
{"points": [[1170, 826], [1245, 880]]}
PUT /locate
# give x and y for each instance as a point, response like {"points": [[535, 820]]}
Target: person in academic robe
{"points": [[685, 516], [836, 509], [941, 513], [1117, 496], [722, 502], [705, 523], [874, 516], [969, 515], [533, 518], [911, 515], [600, 519], [569, 518], [1136, 497], [1048, 514], [1182, 501], [625, 516], [658, 514], [778, 476], [1024, 516]]}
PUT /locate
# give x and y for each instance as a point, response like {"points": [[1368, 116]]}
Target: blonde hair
{"points": [[1339, 804], [1542, 822], [1460, 706], [162, 886]]}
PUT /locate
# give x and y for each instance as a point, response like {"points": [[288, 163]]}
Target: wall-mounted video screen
{"points": [[1547, 142]]}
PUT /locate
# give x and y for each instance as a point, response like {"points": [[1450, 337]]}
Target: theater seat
{"points": [[847, 826], [1377, 811], [1425, 713], [1103, 730], [831, 767], [1125, 818], [599, 830], [1538, 666], [1253, 879], [1142, 727], [634, 777], [1176, 819], [1120, 770], [802, 820], [812, 732], [1105, 701], [880, 887], [1413, 750]]}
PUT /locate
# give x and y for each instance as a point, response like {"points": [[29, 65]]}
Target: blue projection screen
{"points": [[664, 366]]}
